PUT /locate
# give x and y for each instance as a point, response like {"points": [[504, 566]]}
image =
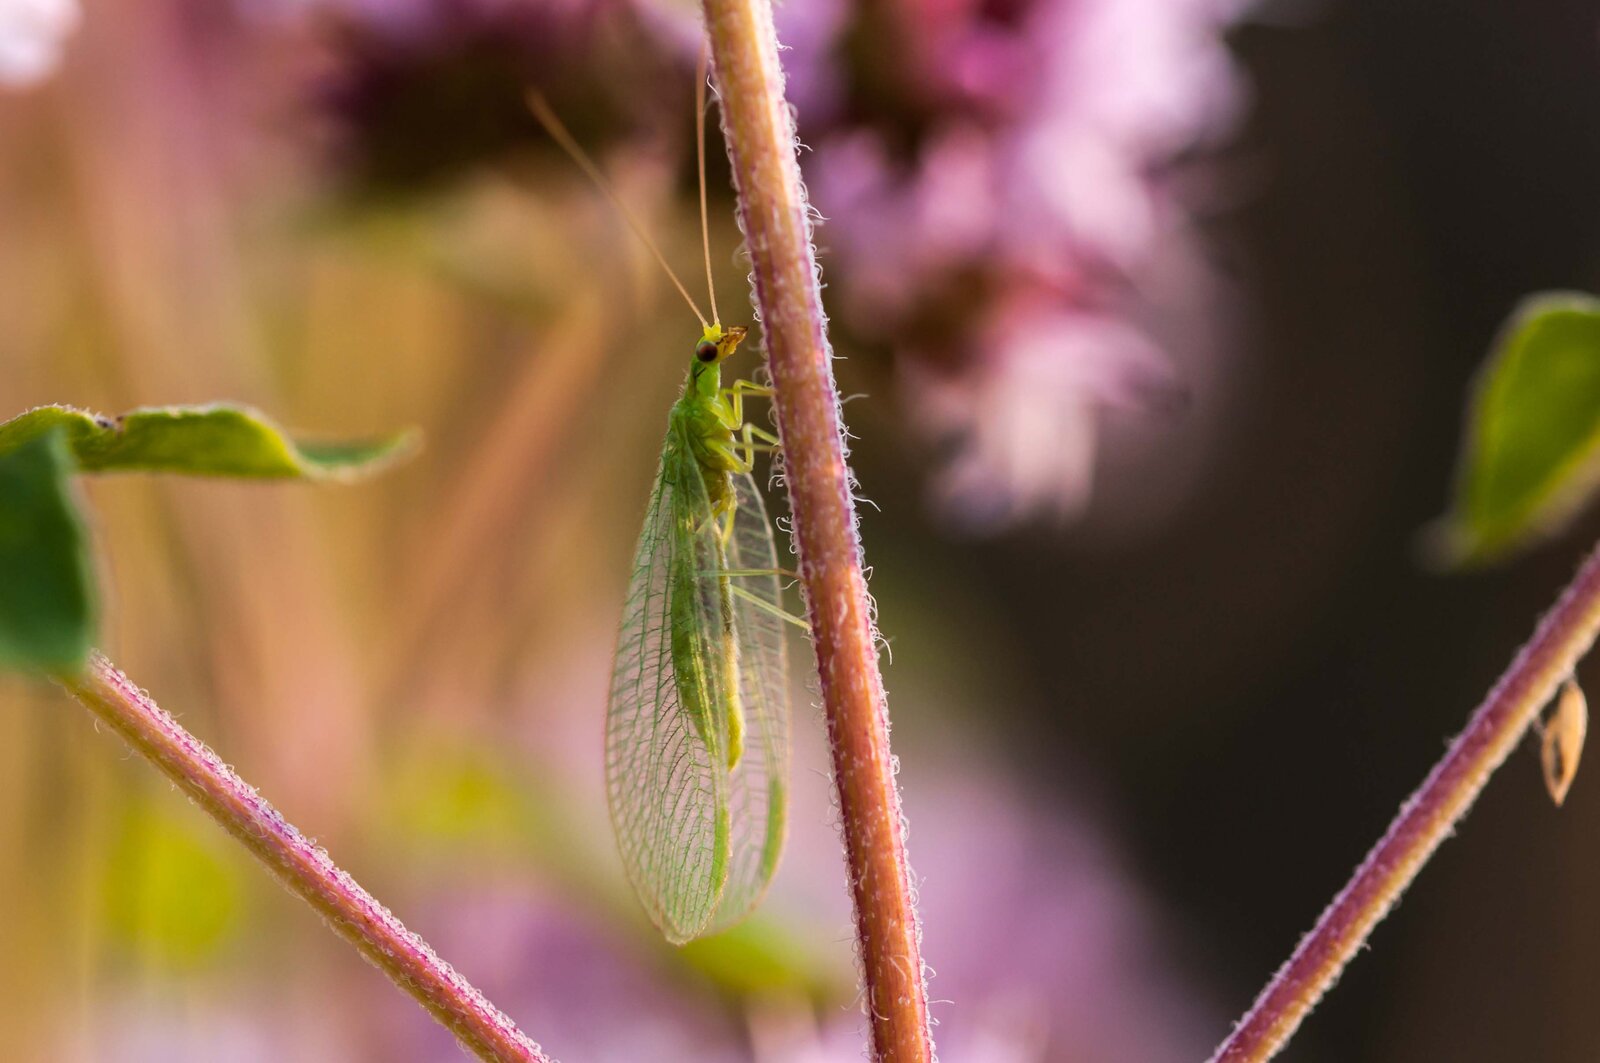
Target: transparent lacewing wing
{"points": [[697, 729]]}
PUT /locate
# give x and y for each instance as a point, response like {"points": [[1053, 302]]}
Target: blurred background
{"points": [[1163, 312]]}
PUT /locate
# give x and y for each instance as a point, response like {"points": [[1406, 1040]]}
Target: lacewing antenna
{"points": [[701, 69], [558, 132]]}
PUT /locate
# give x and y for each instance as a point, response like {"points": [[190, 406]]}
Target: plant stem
{"points": [[760, 132], [300, 864], [1563, 636]]}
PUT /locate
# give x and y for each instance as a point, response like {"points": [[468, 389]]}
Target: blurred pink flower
{"points": [[584, 989], [997, 175], [1043, 946], [426, 90], [1027, 414], [32, 36], [1041, 943], [994, 195]]}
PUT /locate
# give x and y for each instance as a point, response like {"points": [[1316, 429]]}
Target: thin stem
{"points": [[761, 141], [1563, 636], [300, 865]]}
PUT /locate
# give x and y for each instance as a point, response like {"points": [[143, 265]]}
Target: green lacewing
{"points": [[697, 724]]}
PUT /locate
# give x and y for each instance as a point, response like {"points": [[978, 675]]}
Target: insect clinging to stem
{"points": [[697, 725]]}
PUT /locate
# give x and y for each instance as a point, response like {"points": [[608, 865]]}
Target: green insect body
{"points": [[697, 726]]}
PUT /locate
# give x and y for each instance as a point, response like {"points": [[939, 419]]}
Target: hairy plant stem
{"points": [[1562, 637], [772, 211], [300, 864]]}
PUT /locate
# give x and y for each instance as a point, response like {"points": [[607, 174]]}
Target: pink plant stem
{"points": [[1563, 636], [772, 211], [300, 865]]}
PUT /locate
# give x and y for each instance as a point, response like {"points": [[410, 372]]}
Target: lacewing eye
{"points": [[706, 351]]}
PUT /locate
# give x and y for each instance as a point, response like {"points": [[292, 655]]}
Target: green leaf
{"points": [[212, 440], [1531, 457], [47, 600]]}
